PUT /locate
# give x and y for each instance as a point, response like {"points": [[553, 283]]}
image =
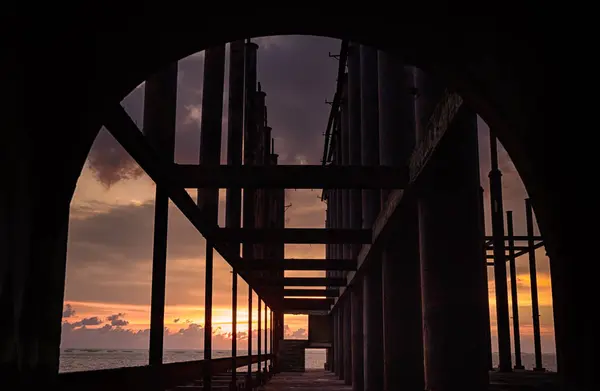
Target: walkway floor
{"points": [[321, 380], [306, 381]]}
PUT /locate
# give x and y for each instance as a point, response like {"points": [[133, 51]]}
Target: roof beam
{"points": [[293, 235], [290, 177], [331, 292], [298, 264], [302, 281], [294, 305], [515, 238]]}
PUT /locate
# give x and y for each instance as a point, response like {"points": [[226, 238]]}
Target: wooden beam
{"points": [[491, 247], [535, 247], [306, 304], [331, 292], [516, 237], [391, 214], [302, 281], [293, 235], [159, 169], [291, 177], [298, 264]]}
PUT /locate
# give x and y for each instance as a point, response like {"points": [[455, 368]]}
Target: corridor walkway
{"points": [[306, 381]]}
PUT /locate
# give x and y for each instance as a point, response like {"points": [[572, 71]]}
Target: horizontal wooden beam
{"points": [[301, 281], [535, 247], [491, 248], [306, 304], [298, 264], [516, 238], [390, 216], [331, 292], [293, 235], [291, 177], [144, 377]]}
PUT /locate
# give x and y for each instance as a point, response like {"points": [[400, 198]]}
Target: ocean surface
{"points": [[74, 360], [528, 360]]}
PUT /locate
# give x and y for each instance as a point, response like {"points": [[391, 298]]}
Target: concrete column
{"points": [[355, 206], [500, 280], [347, 340], [339, 251], [338, 343], [39, 177], [210, 154], [160, 101], [535, 310], [484, 287], [454, 308], [233, 197], [513, 290], [259, 336], [235, 129], [357, 337], [334, 343], [277, 336], [354, 135], [250, 142], [250, 138], [345, 160], [369, 135], [400, 265], [371, 205], [337, 211], [328, 225]]}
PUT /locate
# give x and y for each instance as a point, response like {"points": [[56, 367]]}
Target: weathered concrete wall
{"points": [[292, 355], [320, 328]]}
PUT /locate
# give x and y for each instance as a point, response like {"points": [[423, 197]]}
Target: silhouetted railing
{"points": [[149, 377]]}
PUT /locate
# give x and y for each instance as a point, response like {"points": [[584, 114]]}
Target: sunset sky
{"points": [[107, 295]]}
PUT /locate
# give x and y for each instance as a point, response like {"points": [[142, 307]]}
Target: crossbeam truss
{"points": [[175, 178], [172, 177]]}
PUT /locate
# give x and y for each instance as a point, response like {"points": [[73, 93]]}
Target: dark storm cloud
{"points": [[122, 235], [93, 321], [107, 159], [291, 334], [68, 312], [117, 320], [110, 257], [298, 76], [110, 336], [295, 72]]}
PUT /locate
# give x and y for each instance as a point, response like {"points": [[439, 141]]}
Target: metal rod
{"points": [[537, 340], [249, 375], [486, 285], [208, 199], [234, 286], [265, 333], [160, 103], [235, 128], [502, 316], [258, 336], [514, 293], [208, 293], [271, 336]]}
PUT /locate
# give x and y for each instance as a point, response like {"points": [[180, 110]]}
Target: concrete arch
{"points": [[498, 71]]}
